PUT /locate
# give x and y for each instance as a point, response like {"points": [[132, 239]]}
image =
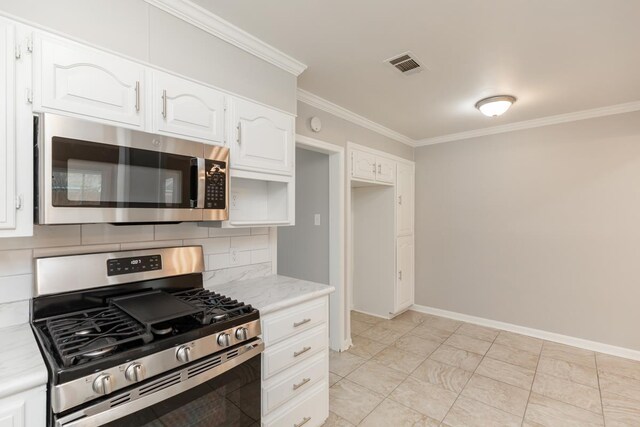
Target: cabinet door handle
{"points": [[138, 95], [301, 383], [239, 134], [164, 103], [399, 200], [300, 323], [374, 168], [400, 274], [379, 168], [303, 422], [303, 351]]}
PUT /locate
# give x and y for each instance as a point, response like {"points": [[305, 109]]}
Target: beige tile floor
{"points": [[423, 370]]}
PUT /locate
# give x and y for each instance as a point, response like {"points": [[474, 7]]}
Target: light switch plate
{"points": [[316, 219]]}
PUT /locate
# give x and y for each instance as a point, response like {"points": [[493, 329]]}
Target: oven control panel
{"points": [[215, 196], [119, 266]]}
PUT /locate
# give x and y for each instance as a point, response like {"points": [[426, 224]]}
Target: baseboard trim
{"points": [[370, 314], [536, 333]]}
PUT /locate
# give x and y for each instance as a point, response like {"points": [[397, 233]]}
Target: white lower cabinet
{"points": [[405, 273], [295, 365], [26, 409]]}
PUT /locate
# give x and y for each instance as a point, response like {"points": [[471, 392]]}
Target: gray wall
{"points": [[338, 131], [540, 228], [143, 32], [303, 250]]}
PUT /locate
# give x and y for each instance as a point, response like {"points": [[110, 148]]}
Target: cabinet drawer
{"points": [[290, 322], [290, 352], [309, 410], [293, 382]]}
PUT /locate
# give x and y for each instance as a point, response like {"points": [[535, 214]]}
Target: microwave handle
{"points": [[198, 182]]}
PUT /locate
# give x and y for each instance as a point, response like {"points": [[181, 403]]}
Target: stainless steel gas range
{"points": [[133, 339]]}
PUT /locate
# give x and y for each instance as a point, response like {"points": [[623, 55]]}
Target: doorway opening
{"points": [[314, 249]]}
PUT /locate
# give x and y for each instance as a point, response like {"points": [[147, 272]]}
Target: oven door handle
{"points": [[92, 415], [198, 183]]}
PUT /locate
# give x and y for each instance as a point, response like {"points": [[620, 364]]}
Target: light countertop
{"points": [[272, 293], [21, 364]]}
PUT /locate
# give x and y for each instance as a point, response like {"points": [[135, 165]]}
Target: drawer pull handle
{"points": [[298, 353], [300, 323], [303, 422], [303, 382]]}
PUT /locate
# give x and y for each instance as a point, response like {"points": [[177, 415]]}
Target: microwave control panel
{"points": [[215, 196], [117, 266]]}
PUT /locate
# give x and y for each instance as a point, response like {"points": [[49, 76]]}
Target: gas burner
{"points": [[87, 335], [100, 347], [216, 308], [162, 329]]}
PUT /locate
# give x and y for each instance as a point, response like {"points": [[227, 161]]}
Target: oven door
{"points": [[220, 390], [97, 173]]}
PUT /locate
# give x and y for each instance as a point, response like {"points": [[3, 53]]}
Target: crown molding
{"points": [[534, 123], [328, 106], [213, 24]]}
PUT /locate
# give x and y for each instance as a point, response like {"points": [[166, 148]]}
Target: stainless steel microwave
{"points": [[88, 172]]}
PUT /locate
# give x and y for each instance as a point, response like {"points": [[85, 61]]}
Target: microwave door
{"points": [[129, 178]]}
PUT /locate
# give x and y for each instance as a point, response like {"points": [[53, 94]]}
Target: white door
{"points": [[76, 79], [385, 170], [261, 139], [363, 165], [405, 273], [404, 199], [183, 108], [7, 128]]}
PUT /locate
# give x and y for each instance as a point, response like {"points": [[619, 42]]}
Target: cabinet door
{"points": [[7, 128], [405, 277], [385, 170], [83, 81], [261, 138], [12, 415], [404, 199], [186, 109], [363, 165]]}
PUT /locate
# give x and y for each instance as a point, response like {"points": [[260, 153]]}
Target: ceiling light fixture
{"points": [[495, 106]]}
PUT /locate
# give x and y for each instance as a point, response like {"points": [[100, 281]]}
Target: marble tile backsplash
{"points": [[230, 254]]}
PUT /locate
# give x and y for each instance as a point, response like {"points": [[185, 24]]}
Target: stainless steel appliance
{"points": [[88, 172], [132, 338]]}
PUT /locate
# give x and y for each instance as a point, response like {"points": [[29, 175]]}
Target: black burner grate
{"points": [[216, 307], [89, 334]]}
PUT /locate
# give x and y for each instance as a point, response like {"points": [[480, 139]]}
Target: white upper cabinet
{"points": [[404, 199], [405, 273], [83, 81], [368, 166], [385, 170], [7, 128], [260, 138], [183, 108], [363, 165]]}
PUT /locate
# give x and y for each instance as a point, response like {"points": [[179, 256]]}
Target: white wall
{"points": [[540, 228], [303, 250], [145, 33]]}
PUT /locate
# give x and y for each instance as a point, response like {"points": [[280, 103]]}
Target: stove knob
{"points": [[242, 334], [184, 354], [103, 384], [135, 372], [224, 340]]}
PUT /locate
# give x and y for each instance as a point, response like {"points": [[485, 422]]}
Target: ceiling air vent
{"points": [[406, 63]]}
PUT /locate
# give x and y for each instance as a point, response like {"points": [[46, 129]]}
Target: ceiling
{"points": [[555, 56]]}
